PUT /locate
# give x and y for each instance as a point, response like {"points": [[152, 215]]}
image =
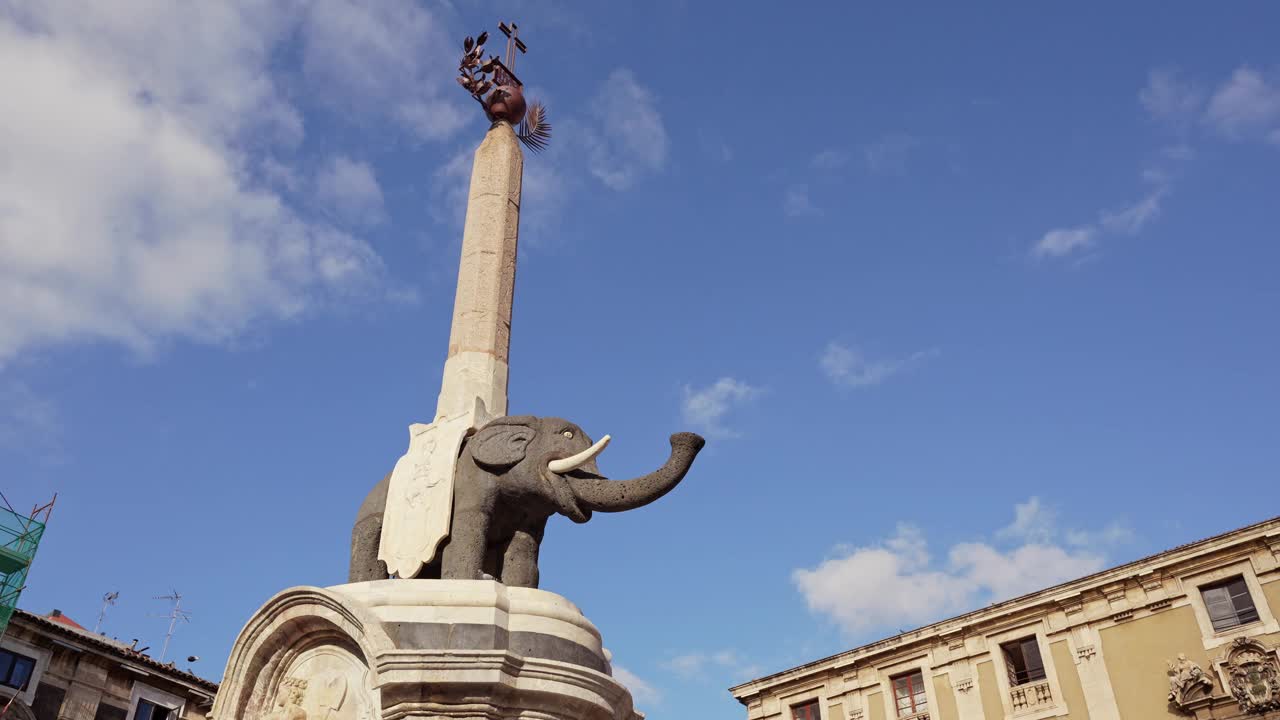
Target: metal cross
{"points": [[513, 43]]}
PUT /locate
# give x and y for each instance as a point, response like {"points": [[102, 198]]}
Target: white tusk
{"points": [[566, 464]]}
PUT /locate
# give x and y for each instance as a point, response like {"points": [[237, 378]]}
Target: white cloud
{"points": [[687, 664], [383, 59], [630, 140], [1032, 522], [1131, 220], [714, 145], [126, 210], [277, 174], [1246, 106], [830, 159], [206, 63], [1027, 568], [727, 664], [1064, 241], [896, 584], [642, 692], [884, 585], [450, 185], [27, 420], [1113, 534], [351, 188], [796, 202], [706, 409], [849, 367], [1167, 165], [1167, 97], [890, 154]]}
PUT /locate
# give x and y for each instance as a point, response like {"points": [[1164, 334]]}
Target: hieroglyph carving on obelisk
{"points": [[474, 387]]}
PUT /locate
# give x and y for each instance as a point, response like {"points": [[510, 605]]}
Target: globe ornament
{"points": [[506, 103]]}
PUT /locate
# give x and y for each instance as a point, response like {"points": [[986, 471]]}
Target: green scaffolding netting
{"points": [[19, 538]]}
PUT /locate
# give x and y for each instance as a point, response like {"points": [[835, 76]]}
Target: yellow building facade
{"points": [[1188, 633]]}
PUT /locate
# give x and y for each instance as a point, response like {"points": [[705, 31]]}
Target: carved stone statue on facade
{"points": [[1253, 675], [1187, 682]]}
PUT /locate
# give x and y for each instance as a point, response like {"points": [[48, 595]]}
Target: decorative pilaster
{"points": [[1095, 683], [965, 689]]}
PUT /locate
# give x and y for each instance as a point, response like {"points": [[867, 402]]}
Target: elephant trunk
{"points": [[618, 495]]}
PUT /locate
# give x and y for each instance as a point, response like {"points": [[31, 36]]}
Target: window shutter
{"points": [[808, 711], [1010, 664], [1222, 613], [909, 694], [920, 699], [1242, 602], [22, 672], [1034, 663]]}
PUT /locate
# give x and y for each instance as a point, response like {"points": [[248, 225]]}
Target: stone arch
{"points": [[289, 625]]}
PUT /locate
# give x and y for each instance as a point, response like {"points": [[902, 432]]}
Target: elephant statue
{"points": [[512, 475]]}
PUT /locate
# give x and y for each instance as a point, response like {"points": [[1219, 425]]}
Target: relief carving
{"points": [[289, 700], [1187, 682], [324, 683], [1253, 674]]}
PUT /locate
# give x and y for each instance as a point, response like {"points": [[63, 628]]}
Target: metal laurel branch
{"points": [[473, 69]]}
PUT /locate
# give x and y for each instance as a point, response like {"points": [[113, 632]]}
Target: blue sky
{"points": [[968, 299]]}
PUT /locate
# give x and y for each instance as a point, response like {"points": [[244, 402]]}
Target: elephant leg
{"points": [[468, 534], [366, 534], [365, 564], [520, 561]]}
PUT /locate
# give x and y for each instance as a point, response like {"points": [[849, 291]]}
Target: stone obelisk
{"points": [[480, 336], [474, 387]]}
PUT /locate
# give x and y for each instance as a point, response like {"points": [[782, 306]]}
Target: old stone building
{"points": [[51, 668], [1191, 632]]}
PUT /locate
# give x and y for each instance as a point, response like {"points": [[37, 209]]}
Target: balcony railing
{"points": [[1031, 695], [917, 716]]}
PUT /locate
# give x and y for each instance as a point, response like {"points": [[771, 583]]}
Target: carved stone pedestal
{"points": [[392, 649]]}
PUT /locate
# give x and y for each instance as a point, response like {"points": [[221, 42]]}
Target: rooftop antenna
{"points": [[107, 600], [175, 614]]}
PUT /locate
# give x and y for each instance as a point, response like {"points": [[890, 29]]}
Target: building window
{"points": [[807, 711], [148, 710], [15, 669], [1229, 604], [1022, 661], [908, 694]]}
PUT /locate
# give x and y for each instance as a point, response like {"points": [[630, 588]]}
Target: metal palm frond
{"points": [[535, 131]]}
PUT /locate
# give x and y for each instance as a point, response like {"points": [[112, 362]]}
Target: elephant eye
{"points": [[568, 434]]}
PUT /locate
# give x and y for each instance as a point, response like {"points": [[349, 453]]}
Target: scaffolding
{"points": [[19, 537]]}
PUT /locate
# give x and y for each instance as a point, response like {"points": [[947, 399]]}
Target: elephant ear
{"points": [[502, 443]]}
